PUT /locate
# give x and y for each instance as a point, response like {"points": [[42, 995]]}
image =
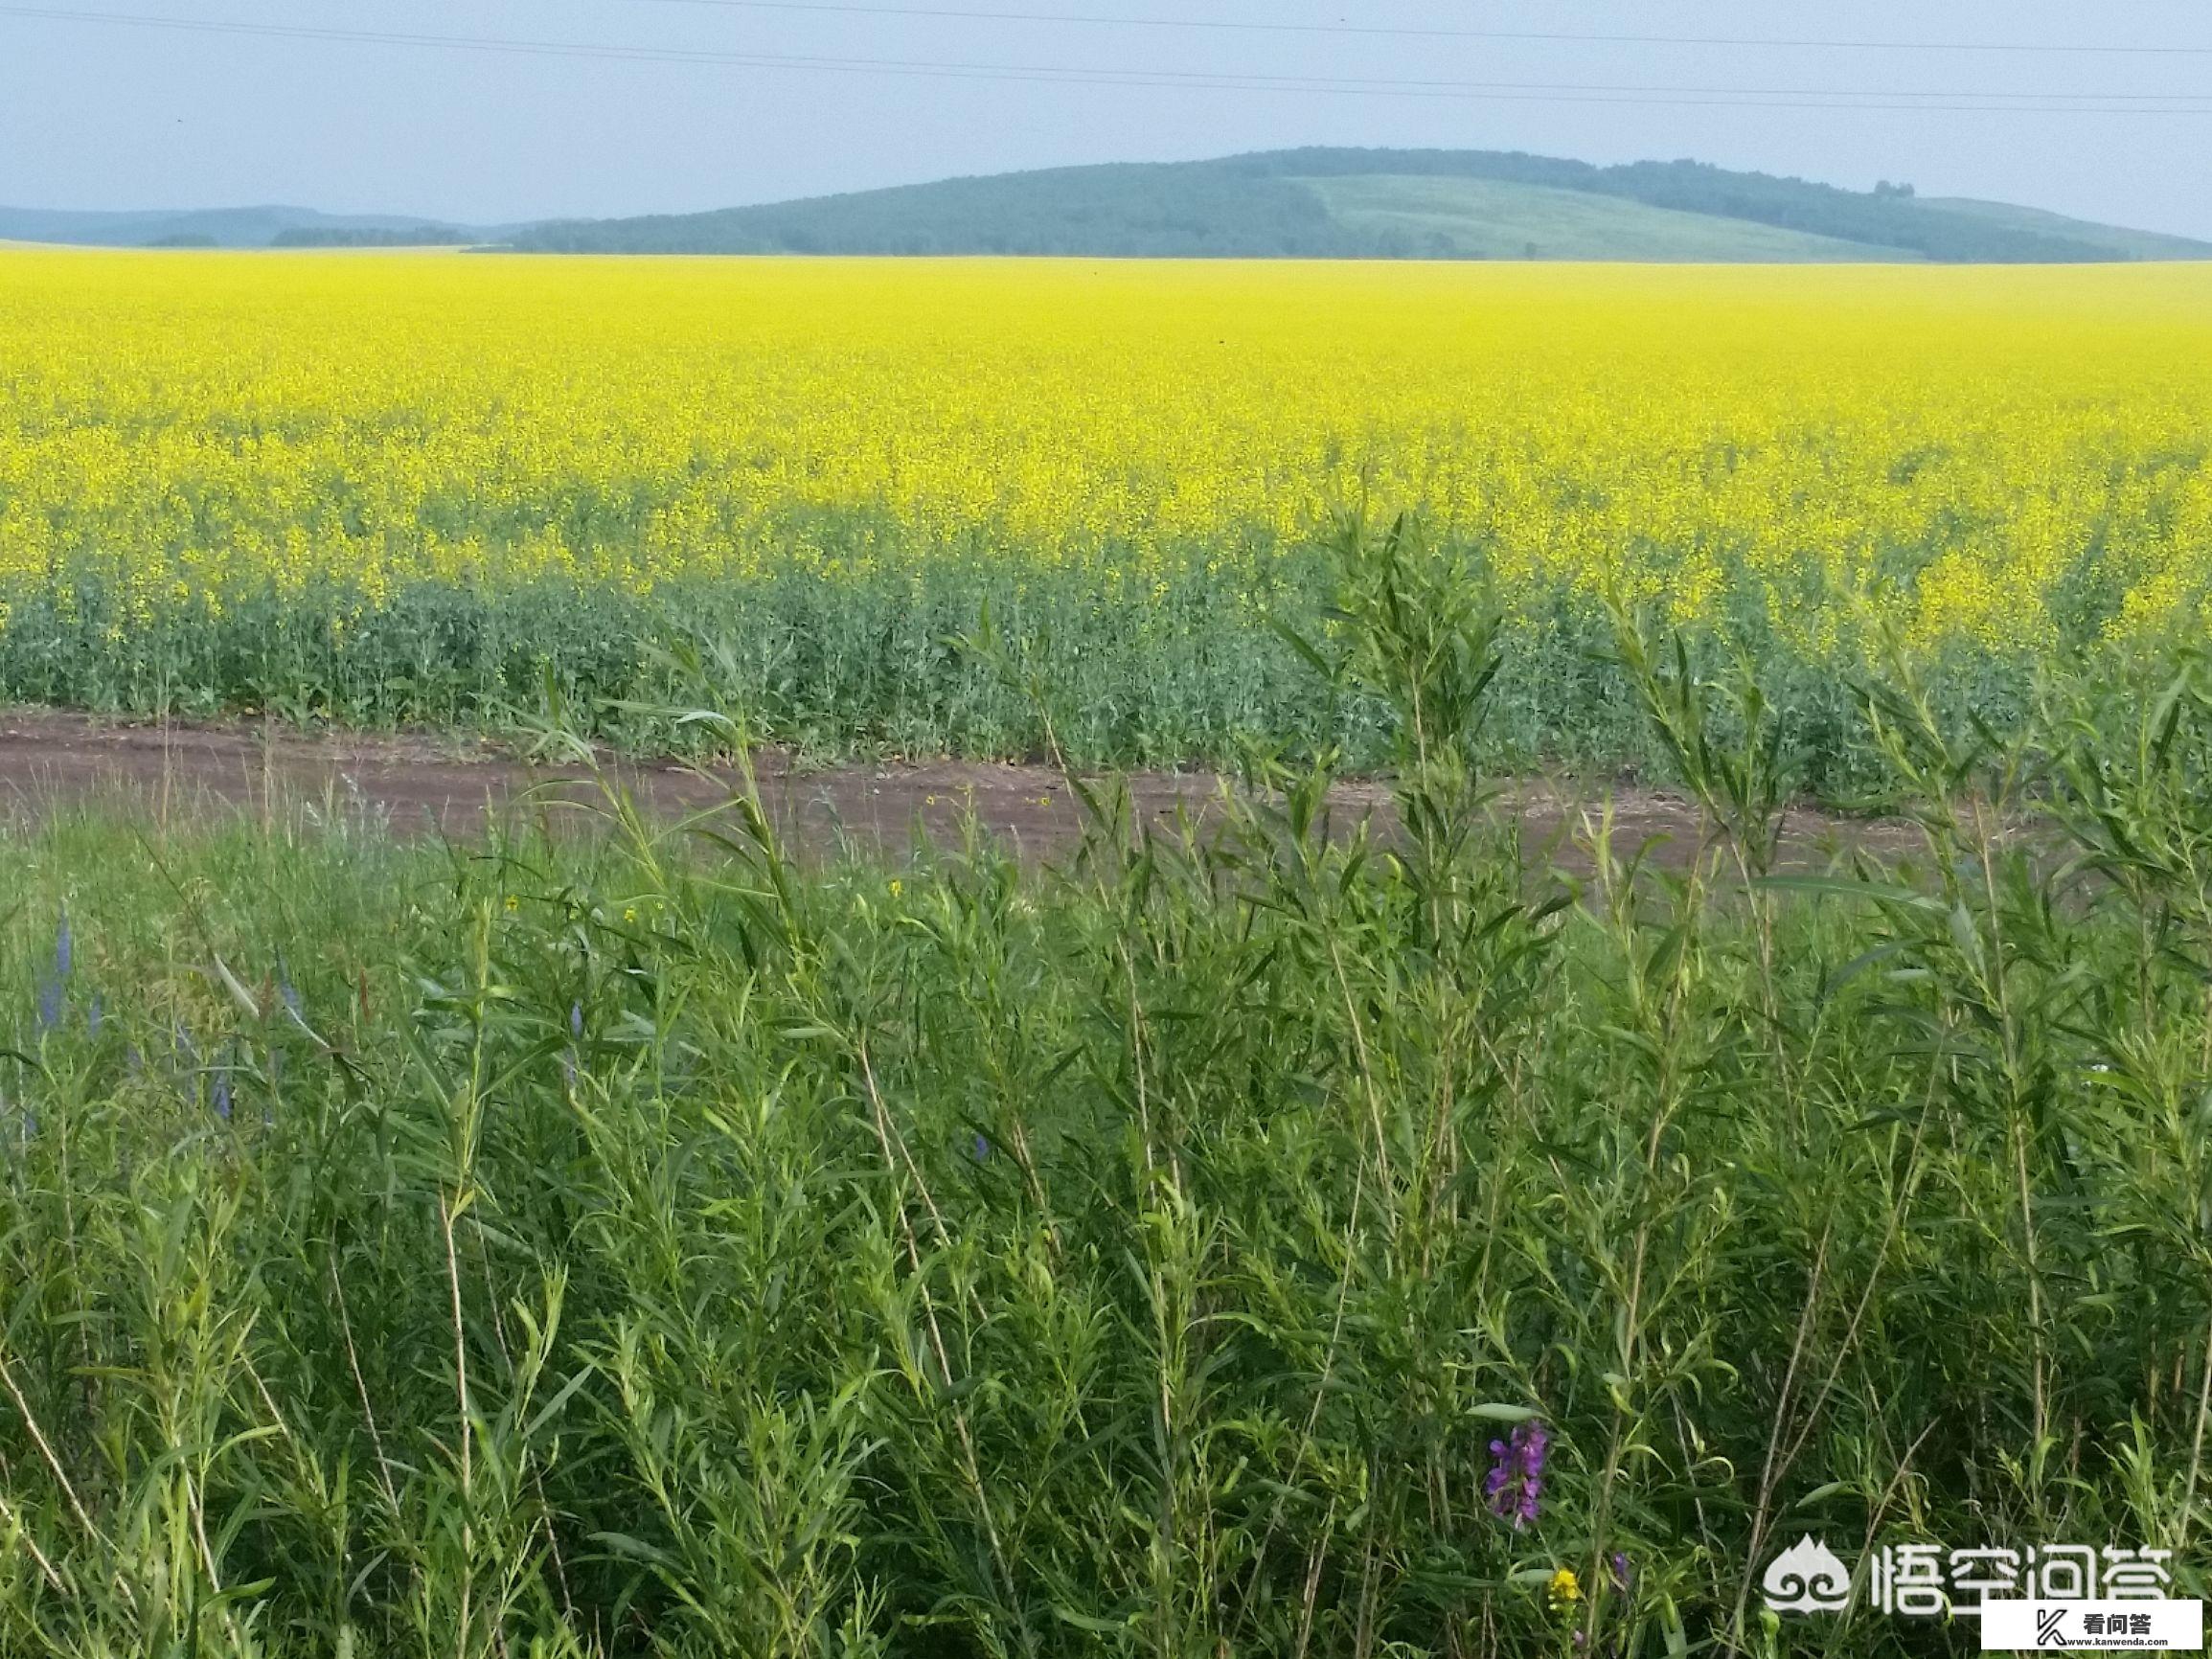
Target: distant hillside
{"points": [[1380, 204], [1168, 210], [2127, 244], [374, 236], [1480, 218], [1315, 203], [247, 227]]}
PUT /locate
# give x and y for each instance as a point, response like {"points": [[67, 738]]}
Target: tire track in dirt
{"points": [[415, 784]]}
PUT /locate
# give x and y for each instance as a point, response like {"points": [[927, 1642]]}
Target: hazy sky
{"points": [[115, 115]]}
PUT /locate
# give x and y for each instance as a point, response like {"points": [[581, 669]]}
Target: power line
{"points": [[1411, 31], [1729, 98]]}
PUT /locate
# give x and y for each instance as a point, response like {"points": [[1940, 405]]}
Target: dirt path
{"points": [[416, 783]]}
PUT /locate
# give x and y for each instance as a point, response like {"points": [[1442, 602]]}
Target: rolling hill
{"points": [[1380, 204], [1312, 203], [1479, 218], [2126, 243], [246, 227]]}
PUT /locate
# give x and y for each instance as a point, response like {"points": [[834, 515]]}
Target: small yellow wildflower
{"points": [[513, 904], [896, 887], [1565, 1588], [629, 914]]}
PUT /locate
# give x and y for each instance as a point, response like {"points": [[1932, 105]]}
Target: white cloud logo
{"points": [[1807, 1577]]}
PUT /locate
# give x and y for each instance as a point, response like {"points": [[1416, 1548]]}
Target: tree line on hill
{"points": [[372, 236]]}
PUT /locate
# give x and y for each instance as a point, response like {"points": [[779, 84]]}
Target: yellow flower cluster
{"points": [[1966, 447]]}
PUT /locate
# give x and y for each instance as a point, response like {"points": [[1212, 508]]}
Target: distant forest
{"points": [[1255, 206], [360, 237]]}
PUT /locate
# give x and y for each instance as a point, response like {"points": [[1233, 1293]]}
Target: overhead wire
{"points": [[854, 8], [1704, 97]]}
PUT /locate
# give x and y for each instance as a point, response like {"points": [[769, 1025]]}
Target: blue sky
{"points": [[113, 114]]}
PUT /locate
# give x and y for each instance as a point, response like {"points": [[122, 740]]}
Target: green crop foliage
{"points": [[648, 1242]]}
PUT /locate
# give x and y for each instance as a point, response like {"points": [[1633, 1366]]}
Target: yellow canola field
{"points": [[1976, 449]]}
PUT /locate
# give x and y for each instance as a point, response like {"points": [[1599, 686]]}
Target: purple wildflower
{"points": [[64, 946], [223, 1090], [1514, 1485], [1623, 1570], [49, 1003], [981, 1149], [1500, 1474]]}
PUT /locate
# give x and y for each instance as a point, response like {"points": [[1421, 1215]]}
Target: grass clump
{"points": [[1262, 1238]]}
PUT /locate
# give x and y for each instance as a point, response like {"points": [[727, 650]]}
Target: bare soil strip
{"points": [[53, 761]]}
